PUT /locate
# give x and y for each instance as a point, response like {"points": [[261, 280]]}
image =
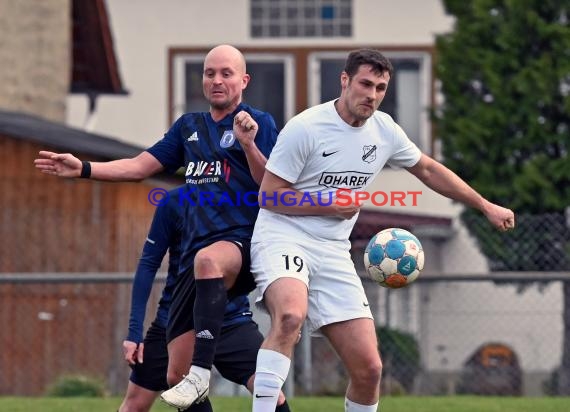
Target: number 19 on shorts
{"points": [[293, 263]]}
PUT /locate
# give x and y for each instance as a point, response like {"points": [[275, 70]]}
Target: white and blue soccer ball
{"points": [[394, 258]]}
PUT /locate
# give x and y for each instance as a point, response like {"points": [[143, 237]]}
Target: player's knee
{"points": [[369, 375], [289, 324], [205, 263]]}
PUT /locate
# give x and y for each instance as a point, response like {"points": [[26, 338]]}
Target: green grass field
{"points": [[302, 404]]}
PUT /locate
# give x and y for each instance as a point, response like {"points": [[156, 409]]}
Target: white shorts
{"points": [[335, 290]]}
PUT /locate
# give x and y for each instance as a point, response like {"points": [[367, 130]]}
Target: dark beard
{"points": [[221, 106]]}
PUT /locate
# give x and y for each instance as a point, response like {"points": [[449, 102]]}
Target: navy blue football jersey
{"points": [[220, 195]]}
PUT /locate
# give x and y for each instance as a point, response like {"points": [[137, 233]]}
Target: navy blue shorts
{"points": [[184, 295], [236, 355]]}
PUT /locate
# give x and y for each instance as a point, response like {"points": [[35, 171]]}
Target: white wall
{"points": [[144, 30], [390, 180], [458, 317]]}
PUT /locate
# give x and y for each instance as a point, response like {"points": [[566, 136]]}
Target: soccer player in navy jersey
{"points": [[240, 338], [224, 152]]}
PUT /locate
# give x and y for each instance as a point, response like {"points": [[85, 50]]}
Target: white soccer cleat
{"points": [[191, 389]]}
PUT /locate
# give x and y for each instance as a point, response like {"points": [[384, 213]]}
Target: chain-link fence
{"points": [[452, 336], [461, 328]]}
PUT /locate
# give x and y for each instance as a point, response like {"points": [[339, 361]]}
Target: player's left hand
{"points": [[500, 217], [133, 352], [245, 128], [140, 352]]}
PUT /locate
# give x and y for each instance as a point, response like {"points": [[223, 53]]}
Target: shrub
{"points": [[400, 356], [77, 385]]}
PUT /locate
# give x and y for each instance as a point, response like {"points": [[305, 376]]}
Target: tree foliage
{"points": [[505, 121]]}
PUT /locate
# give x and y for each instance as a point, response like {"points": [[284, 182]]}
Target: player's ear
{"points": [[245, 81], [344, 80]]}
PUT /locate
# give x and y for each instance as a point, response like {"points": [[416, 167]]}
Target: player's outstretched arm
{"points": [[441, 179], [67, 165]]}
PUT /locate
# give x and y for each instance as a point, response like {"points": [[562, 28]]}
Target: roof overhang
{"points": [[95, 69]]}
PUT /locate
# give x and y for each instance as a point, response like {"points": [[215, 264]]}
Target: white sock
{"points": [[203, 373], [270, 374], [350, 406]]}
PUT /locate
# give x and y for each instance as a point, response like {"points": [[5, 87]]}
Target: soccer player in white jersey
{"points": [[300, 246]]}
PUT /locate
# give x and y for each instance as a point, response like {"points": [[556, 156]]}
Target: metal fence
{"points": [[468, 335], [473, 330], [460, 335]]}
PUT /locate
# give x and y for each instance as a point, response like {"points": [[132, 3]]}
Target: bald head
{"points": [[228, 55], [224, 79]]}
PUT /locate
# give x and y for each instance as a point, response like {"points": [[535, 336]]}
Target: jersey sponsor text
{"points": [[345, 180]]}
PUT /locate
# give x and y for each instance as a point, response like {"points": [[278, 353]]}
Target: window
{"points": [[275, 89], [270, 89], [409, 93], [301, 18]]}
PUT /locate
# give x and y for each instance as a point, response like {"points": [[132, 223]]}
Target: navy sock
{"points": [[204, 406], [209, 309], [283, 408]]}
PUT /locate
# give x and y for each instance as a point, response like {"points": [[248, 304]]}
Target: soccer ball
{"points": [[394, 258]]}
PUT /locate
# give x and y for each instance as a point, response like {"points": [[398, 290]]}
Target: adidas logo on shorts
{"points": [[205, 334]]}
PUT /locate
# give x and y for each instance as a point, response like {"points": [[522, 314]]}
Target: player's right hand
{"points": [[500, 217], [59, 164], [346, 211], [245, 128], [133, 352]]}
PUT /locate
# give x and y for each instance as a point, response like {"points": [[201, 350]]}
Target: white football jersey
{"points": [[319, 153]]}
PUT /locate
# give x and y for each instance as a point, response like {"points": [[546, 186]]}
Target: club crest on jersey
{"points": [[227, 139], [369, 153]]}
